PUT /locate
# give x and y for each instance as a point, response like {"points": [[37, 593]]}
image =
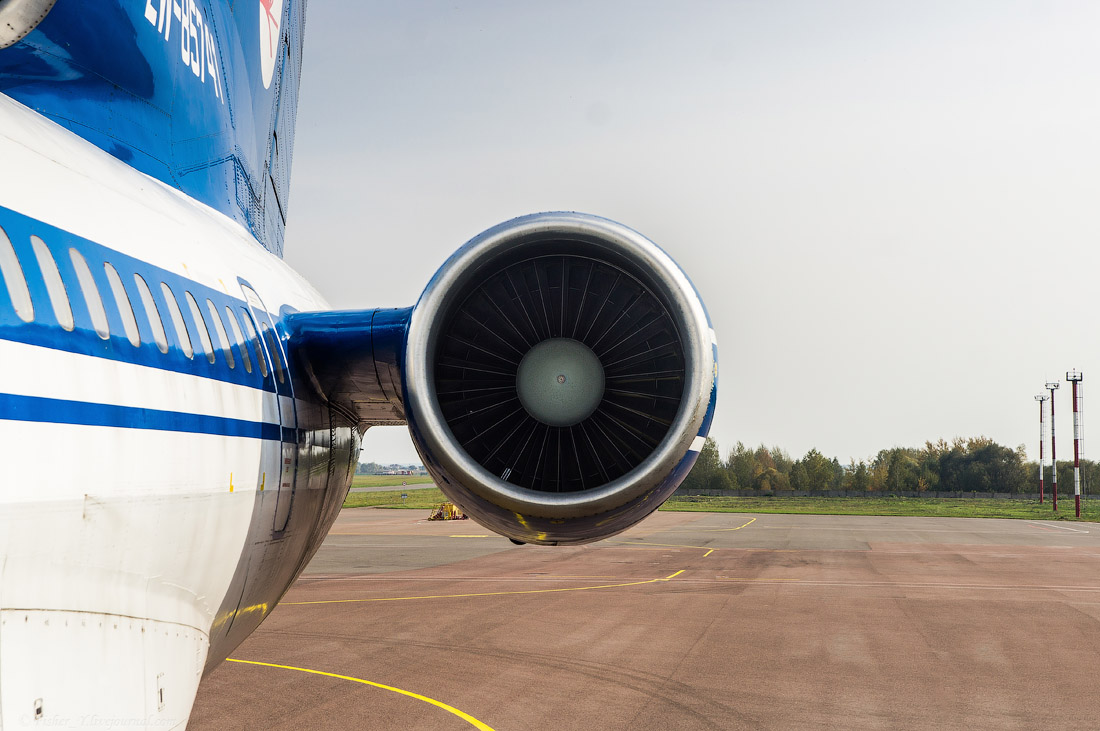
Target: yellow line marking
{"points": [[471, 536], [487, 593], [726, 530], [706, 530], [668, 545], [681, 530], [449, 709]]}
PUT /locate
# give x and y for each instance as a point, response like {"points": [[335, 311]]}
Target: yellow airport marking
{"points": [[726, 530], [708, 530], [487, 593], [471, 536], [230, 482], [666, 545], [439, 704]]}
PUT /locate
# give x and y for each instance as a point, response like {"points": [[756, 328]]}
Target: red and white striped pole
{"points": [[1053, 385], [1042, 438], [1075, 377]]}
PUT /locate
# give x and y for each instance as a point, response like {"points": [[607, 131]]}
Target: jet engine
{"points": [[558, 375]]}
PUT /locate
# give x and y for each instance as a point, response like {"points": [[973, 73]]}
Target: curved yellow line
{"points": [[726, 530], [450, 709], [702, 530], [488, 593], [707, 530]]}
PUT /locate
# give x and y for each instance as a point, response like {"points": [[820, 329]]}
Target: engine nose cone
{"points": [[560, 382]]}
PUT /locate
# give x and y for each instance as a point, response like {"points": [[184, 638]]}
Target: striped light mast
{"points": [[1041, 398], [1075, 377], [1052, 386]]}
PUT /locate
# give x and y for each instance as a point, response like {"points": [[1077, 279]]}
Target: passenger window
{"points": [[221, 333], [91, 294], [151, 312], [204, 334], [177, 321], [55, 287], [122, 301], [273, 348], [251, 333], [14, 280], [239, 339]]}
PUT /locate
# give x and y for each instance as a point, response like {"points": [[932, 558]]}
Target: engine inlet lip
{"points": [[558, 233]]}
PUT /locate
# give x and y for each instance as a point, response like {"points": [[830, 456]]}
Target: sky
{"points": [[889, 209]]}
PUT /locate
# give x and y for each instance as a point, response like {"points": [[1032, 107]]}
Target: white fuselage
{"points": [[146, 497]]}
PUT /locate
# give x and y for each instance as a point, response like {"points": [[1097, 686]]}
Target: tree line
{"points": [[373, 468], [977, 464]]}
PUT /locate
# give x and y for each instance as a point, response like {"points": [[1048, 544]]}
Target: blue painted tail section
{"points": [[199, 94]]}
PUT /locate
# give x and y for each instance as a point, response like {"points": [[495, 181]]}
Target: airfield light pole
{"points": [[1053, 386], [1075, 377], [1041, 398]]}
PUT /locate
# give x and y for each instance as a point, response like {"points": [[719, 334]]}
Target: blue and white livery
{"points": [[181, 413]]}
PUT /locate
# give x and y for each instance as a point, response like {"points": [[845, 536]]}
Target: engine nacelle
{"points": [[559, 377]]}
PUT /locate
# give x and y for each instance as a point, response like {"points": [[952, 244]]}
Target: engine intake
{"points": [[559, 377]]}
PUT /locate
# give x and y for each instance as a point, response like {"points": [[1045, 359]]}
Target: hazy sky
{"points": [[891, 209]]}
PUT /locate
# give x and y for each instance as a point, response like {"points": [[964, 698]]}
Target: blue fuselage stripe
{"points": [[57, 411], [46, 332]]}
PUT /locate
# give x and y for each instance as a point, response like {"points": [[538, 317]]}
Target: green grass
{"points": [[426, 498], [934, 507], [387, 480]]}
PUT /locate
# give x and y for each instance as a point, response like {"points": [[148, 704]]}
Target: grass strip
{"points": [[390, 480], [422, 499], [902, 506]]}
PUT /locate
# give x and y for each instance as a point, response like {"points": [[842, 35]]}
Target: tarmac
{"points": [[687, 621]]}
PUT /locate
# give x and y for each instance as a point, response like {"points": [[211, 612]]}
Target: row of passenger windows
{"points": [[58, 296]]}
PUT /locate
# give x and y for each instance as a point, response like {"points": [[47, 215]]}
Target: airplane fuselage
{"points": [[167, 472], [181, 413]]}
